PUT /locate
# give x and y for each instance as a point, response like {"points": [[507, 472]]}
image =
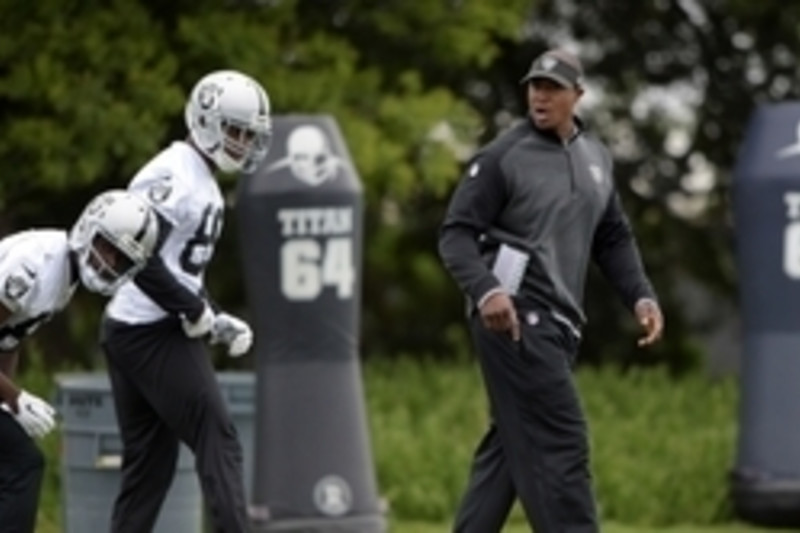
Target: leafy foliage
{"points": [[658, 460], [90, 90]]}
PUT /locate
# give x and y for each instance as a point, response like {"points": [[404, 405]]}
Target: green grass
{"points": [[516, 527], [421, 527]]}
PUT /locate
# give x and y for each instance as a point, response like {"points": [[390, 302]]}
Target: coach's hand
{"points": [[36, 416], [649, 315], [232, 331], [499, 314]]}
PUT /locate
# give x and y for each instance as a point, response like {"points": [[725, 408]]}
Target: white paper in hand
{"points": [[509, 267]]}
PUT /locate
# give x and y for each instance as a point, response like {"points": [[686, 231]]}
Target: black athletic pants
{"points": [[165, 390], [536, 448], [21, 471]]}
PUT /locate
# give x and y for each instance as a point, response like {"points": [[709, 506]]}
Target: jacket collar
{"points": [[551, 135]]}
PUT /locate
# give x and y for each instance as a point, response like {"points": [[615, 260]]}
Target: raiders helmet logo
{"points": [[207, 96], [16, 287]]}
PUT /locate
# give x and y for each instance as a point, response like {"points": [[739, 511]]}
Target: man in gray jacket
{"points": [[534, 206]]}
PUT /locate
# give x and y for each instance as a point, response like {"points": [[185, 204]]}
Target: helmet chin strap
{"points": [[74, 267]]}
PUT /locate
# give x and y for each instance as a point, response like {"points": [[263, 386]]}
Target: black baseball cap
{"points": [[558, 65]]}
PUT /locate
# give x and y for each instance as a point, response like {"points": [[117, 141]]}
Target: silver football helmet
{"points": [[228, 117], [113, 239]]}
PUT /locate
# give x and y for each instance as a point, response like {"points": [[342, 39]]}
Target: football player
{"points": [[163, 381], [39, 272]]}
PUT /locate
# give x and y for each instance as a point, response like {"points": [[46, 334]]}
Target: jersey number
{"points": [[199, 249], [308, 266]]}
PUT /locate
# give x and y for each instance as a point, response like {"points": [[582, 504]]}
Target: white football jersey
{"points": [[36, 281], [179, 184]]}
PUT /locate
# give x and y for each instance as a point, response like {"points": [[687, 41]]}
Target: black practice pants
{"points": [[536, 447], [165, 391]]}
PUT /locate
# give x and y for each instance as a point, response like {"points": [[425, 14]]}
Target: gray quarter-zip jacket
{"points": [[554, 200]]}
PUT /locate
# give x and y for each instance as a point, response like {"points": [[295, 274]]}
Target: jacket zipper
{"points": [[572, 185]]}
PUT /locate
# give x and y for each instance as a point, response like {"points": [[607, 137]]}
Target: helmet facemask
{"points": [[104, 264], [243, 147]]}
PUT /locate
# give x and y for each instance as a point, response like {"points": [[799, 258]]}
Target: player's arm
{"points": [[166, 196], [9, 392], [17, 278], [8, 364], [161, 286], [36, 416]]}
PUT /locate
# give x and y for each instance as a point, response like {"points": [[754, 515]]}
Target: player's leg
{"points": [[150, 448], [186, 395], [21, 471], [490, 493]]}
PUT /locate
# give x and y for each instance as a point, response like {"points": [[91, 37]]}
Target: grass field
{"points": [[518, 527], [522, 528]]}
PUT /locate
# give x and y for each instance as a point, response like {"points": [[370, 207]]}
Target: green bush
{"points": [[661, 447], [425, 419]]}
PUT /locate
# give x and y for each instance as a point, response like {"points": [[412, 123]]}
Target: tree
{"points": [[90, 91]]}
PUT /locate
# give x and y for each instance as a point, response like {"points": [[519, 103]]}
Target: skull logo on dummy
{"points": [[310, 157]]}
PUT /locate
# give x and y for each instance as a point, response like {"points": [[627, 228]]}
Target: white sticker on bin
{"points": [[108, 461]]}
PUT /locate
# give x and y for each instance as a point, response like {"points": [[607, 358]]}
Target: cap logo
{"points": [[549, 63]]}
